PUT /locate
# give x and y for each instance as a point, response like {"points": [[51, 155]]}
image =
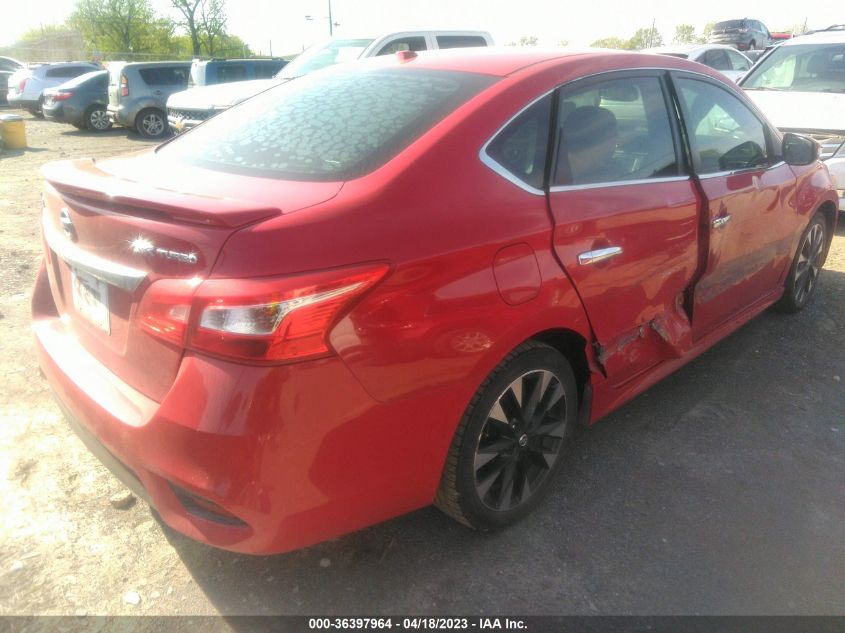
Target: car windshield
{"points": [[323, 55], [800, 68], [333, 125]]}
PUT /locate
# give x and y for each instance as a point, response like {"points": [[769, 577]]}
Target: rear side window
{"points": [[521, 147], [725, 134], [729, 24], [165, 76], [266, 71], [332, 125], [614, 131], [68, 71], [460, 41], [226, 73], [738, 61]]}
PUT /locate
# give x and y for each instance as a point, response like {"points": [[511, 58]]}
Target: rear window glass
{"points": [[334, 125], [460, 41], [729, 24], [100, 75], [165, 76], [226, 74]]}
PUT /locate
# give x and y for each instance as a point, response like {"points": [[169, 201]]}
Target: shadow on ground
{"points": [[718, 491]]}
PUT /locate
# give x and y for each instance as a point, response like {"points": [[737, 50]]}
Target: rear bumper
{"points": [[265, 444], [121, 115]]}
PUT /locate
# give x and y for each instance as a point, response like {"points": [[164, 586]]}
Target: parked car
{"points": [[190, 108], [207, 72], [368, 290], [10, 64], [4, 85], [726, 59], [138, 94], [800, 85], [27, 85], [81, 102], [745, 34]]}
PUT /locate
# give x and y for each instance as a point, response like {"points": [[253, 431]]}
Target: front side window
{"points": [[333, 125], [416, 43], [520, 148], [800, 68], [725, 134], [738, 61], [717, 59], [613, 131]]}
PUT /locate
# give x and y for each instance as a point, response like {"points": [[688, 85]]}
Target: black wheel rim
{"points": [[520, 441], [809, 263]]}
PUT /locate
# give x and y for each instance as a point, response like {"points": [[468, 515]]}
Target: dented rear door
{"points": [[626, 218]]}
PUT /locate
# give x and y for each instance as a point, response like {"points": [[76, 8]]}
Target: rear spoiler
{"points": [[84, 183]]}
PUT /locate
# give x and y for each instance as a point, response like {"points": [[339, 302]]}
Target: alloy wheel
{"points": [[521, 440], [152, 124], [99, 119], [809, 263]]}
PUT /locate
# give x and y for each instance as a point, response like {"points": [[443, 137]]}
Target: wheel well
{"points": [[573, 346], [829, 210]]}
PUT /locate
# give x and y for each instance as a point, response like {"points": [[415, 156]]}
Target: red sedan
{"points": [[406, 281]]}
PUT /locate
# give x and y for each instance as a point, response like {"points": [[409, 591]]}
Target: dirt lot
{"points": [[718, 491]]}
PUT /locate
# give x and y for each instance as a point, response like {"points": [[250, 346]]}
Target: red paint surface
{"points": [[305, 451]]}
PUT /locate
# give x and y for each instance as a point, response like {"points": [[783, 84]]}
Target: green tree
{"points": [[528, 40], [645, 38], [611, 42], [123, 26], [563, 43], [706, 33], [684, 34]]}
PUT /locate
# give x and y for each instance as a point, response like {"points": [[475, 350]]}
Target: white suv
{"points": [[800, 86], [26, 86], [191, 107]]}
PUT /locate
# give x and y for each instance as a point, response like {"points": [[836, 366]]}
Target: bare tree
{"points": [[188, 9], [212, 24]]}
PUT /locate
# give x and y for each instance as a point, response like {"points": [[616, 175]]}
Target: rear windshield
{"points": [[729, 24], [333, 125], [78, 81], [800, 68]]}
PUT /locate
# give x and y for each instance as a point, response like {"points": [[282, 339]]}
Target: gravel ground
{"points": [[719, 491]]}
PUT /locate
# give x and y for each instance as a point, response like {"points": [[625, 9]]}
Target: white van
{"points": [[191, 107], [800, 87]]}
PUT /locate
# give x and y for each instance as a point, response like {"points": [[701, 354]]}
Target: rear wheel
{"points": [[150, 123], [97, 119], [804, 273], [511, 439]]}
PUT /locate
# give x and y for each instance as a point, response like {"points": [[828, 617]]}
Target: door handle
{"points": [[598, 255], [718, 223]]}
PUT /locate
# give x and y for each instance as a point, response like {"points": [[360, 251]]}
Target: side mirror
{"points": [[799, 150]]}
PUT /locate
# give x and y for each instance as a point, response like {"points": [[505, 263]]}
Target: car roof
{"points": [[502, 62], [686, 48], [820, 37]]}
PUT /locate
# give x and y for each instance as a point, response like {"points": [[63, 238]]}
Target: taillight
{"points": [[61, 96], [124, 86], [277, 319], [22, 85]]}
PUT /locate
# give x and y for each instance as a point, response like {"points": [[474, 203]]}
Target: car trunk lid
{"points": [[110, 234]]}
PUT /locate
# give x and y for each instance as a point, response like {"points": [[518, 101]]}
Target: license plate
{"points": [[91, 299]]}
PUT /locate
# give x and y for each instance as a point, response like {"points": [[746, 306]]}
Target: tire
{"points": [[496, 471], [38, 110], [803, 275], [151, 123], [96, 118]]}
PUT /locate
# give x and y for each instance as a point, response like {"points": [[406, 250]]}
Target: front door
{"points": [[751, 227], [626, 217]]}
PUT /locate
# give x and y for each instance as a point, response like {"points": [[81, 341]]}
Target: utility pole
{"points": [[331, 32]]}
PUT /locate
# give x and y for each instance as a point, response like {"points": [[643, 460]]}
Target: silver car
{"points": [[138, 94]]}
